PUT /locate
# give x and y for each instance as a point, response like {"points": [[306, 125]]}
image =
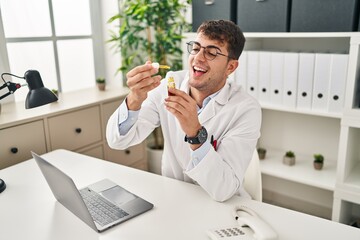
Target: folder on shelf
{"points": [[321, 82], [305, 81], [276, 79], [252, 73], [264, 76], [291, 67], [241, 70], [338, 75]]}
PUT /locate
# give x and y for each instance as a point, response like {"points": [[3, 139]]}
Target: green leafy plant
{"points": [[290, 154], [289, 158], [55, 91], [150, 30], [100, 80], [318, 158]]}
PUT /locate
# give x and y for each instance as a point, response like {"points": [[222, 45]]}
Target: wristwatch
{"points": [[200, 138]]}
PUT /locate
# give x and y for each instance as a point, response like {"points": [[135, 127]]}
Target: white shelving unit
{"points": [[335, 135]]}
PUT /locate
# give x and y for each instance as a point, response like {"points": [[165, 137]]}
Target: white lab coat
{"points": [[233, 117]]}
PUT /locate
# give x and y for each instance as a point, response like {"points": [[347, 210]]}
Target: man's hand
{"points": [[140, 81], [184, 108]]}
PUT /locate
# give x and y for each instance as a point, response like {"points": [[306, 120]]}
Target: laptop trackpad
{"points": [[118, 195]]}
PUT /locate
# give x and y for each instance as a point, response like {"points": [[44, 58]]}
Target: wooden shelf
{"points": [[302, 172]]}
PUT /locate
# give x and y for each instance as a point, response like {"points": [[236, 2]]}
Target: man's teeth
{"points": [[199, 69]]}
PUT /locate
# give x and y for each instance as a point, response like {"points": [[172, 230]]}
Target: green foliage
{"points": [[318, 158], [290, 154], [100, 80], [150, 30]]}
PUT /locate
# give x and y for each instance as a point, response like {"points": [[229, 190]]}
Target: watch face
{"points": [[202, 135]]}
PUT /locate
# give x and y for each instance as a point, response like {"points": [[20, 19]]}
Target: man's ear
{"points": [[232, 65]]}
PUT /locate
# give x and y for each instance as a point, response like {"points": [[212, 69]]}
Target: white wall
{"points": [[112, 59]]}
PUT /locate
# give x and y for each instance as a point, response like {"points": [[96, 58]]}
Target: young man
{"points": [[210, 126]]}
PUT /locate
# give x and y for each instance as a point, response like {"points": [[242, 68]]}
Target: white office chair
{"points": [[252, 179]]}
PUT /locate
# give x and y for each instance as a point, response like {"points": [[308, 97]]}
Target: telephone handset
{"points": [[251, 227]]}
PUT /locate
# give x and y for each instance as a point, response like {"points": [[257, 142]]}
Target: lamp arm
{"points": [[10, 74], [10, 85]]}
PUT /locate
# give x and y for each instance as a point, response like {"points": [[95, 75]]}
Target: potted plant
{"points": [[100, 82], [150, 30], [318, 161], [155, 148], [55, 91], [262, 153], [289, 158]]}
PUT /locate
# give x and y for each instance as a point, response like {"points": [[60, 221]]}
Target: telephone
{"points": [[251, 227]]}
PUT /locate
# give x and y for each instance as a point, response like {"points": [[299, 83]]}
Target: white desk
{"points": [[183, 211]]}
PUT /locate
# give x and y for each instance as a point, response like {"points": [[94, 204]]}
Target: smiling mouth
{"points": [[199, 71]]}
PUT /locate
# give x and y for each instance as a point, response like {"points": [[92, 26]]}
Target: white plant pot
{"points": [[289, 161], [154, 160]]}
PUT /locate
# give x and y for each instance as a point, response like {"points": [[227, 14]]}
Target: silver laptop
{"points": [[101, 205]]}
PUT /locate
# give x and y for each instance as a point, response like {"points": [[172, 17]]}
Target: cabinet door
{"points": [[75, 130], [108, 109], [129, 157], [17, 142]]}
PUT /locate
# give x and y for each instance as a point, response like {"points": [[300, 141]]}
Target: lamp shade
{"points": [[38, 95]]}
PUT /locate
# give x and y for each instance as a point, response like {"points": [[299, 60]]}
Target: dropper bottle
{"points": [[170, 84]]}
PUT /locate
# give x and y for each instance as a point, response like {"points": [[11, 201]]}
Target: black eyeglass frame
{"points": [[190, 50]]}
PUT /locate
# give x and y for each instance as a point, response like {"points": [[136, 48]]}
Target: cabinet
{"points": [[76, 122], [17, 142], [133, 156], [333, 192], [79, 128]]}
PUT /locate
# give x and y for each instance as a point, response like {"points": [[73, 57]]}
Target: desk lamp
{"points": [[37, 96]]}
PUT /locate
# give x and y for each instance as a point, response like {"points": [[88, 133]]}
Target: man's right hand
{"points": [[140, 81]]}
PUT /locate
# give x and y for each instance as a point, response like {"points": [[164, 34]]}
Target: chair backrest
{"points": [[252, 178]]}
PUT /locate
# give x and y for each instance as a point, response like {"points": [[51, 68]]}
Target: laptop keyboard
{"points": [[102, 210]]}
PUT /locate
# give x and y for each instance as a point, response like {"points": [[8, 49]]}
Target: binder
{"points": [[264, 76], [305, 81], [338, 75], [291, 68], [276, 77], [241, 70], [252, 73], [321, 82]]}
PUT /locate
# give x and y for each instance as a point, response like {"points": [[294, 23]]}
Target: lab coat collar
{"points": [[215, 103]]}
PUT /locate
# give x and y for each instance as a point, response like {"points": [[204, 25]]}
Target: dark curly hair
{"points": [[225, 32]]}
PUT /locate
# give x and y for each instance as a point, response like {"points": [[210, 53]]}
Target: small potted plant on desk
{"points": [[318, 161], [55, 91], [100, 82], [289, 158], [262, 153]]}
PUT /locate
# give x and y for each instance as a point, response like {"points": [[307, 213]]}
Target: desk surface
{"points": [[28, 209]]}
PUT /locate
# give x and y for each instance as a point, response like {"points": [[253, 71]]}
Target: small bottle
{"points": [[171, 84]]}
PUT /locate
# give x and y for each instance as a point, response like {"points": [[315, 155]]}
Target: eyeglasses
{"points": [[210, 52]]}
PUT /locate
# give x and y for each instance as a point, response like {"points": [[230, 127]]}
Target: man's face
{"points": [[209, 75]]}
